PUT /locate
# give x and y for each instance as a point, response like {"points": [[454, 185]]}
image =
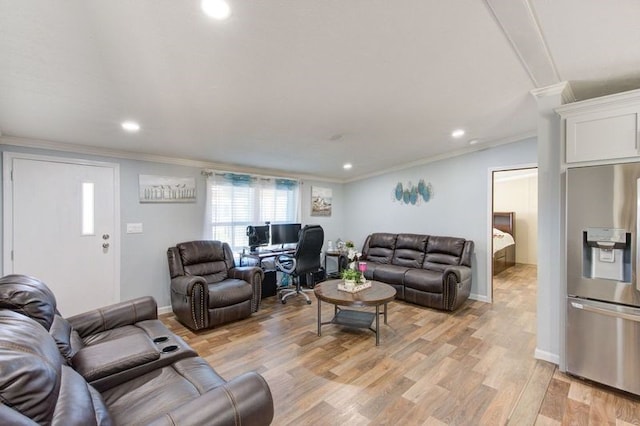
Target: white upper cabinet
{"points": [[602, 129]]}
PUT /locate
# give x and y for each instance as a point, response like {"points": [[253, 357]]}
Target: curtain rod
{"points": [[210, 172]]}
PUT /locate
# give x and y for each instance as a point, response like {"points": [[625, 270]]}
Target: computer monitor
{"points": [[258, 236], [285, 233]]}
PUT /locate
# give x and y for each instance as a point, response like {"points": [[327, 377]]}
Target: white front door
{"points": [[61, 226]]}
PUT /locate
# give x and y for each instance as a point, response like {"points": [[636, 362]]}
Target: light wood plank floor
{"points": [[471, 367]]}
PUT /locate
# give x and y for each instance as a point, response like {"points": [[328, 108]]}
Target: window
{"points": [[88, 218], [236, 201]]}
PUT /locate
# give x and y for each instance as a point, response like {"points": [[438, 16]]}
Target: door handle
{"points": [[105, 245], [615, 314]]}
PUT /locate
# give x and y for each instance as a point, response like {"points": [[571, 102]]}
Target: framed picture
{"points": [[320, 201], [166, 189]]}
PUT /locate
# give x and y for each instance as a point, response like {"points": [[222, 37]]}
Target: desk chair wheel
{"points": [[308, 302]]}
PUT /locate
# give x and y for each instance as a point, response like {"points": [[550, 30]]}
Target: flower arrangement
{"points": [[354, 272], [352, 275], [352, 254]]}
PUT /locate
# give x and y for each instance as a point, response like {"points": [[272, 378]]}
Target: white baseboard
{"points": [[479, 297], [547, 356], [164, 310]]}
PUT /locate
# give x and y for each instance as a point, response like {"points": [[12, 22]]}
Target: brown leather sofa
{"points": [[207, 289], [426, 270], [117, 365]]}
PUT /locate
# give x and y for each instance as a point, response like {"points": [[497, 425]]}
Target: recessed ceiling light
{"points": [[347, 166], [130, 126], [474, 141], [458, 133], [216, 9]]}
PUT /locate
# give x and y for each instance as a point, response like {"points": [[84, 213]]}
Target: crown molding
{"points": [[138, 156], [463, 151], [562, 89], [619, 100]]}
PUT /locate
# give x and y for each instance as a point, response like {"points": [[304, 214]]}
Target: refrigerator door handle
{"points": [[608, 312]]}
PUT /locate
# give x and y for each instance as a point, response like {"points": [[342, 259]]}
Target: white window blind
{"points": [[236, 201]]}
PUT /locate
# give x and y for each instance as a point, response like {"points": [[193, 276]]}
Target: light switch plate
{"points": [[134, 228]]}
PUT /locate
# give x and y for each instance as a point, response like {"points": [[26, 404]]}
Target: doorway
{"points": [[513, 222], [61, 225]]}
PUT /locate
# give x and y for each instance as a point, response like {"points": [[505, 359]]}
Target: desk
{"points": [[259, 256], [269, 283], [341, 259]]}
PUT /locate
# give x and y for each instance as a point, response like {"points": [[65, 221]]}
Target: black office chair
{"points": [[305, 261]]}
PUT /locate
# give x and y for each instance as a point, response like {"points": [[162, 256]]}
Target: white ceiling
{"points": [[300, 87]]}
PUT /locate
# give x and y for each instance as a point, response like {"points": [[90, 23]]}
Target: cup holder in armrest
{"points": [[160, 339], [170, 348]]}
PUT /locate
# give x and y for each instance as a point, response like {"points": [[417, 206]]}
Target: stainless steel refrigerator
{"points": [[603, 303]]}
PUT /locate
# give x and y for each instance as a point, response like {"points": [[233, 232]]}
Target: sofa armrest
{"points": [[462, 273], [254, 276], [245, 400], [184, 284], [456, 286], [114, 356], [190, 300], [114, 316]]}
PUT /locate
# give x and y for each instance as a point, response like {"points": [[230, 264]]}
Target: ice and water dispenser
{"points": [[607, 254]]}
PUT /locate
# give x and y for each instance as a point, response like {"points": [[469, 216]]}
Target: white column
{"points": [[551, 258]]}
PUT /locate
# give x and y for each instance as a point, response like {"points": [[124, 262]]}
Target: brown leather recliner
{"points": [[207, 289], [116, 365]]}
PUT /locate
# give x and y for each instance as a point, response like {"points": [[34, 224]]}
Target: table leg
{"points": [[385, 314], [319, 318], [377, 325]]}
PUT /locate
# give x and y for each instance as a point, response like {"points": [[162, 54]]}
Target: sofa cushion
{"points": [[390, 274], [67, 339], [28, 296], [381, 247], [36, 383], [140, 400], [443, 252], [31, 367], [78, 402], [205, 259], [410, 250], [229, 292], [424, 280]]}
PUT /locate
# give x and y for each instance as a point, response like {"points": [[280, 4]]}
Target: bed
{"points": [[504, 245]]}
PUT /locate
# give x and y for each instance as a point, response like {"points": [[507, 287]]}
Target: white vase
{"points": [[349, 284]]}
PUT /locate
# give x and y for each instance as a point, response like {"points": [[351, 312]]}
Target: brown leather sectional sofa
{"points": [[117, 365], [426, 270]]}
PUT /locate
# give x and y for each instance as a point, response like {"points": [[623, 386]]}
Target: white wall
{"points": [[144, 268], [458, 207], [517, 191]]}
